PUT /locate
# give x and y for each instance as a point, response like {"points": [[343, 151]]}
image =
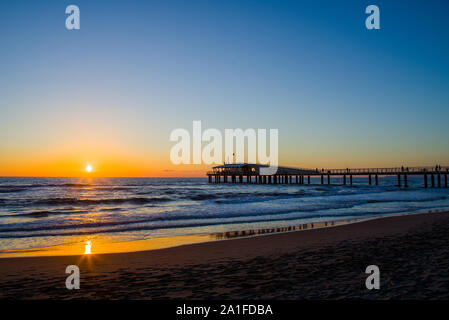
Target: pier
{"points": [[433, 177]]}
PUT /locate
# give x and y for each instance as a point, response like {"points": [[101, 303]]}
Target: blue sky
{"points": [[340, 95]]}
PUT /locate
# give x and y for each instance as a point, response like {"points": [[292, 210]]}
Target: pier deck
{"points": [[250, 173]]}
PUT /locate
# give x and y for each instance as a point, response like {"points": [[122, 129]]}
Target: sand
{"points": [[412, 252]]}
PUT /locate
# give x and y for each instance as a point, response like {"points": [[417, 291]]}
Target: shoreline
{"points": [[411, 250], [190, 239]]}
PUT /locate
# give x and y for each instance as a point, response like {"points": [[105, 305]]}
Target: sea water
{"points": [[46, 212]]}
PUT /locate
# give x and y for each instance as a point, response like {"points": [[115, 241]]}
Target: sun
{"points": [[88, 168], [88, 247]]}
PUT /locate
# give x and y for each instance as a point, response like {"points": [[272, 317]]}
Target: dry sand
{"points": [[411, 251]]}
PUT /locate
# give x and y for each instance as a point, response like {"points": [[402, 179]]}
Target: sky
{"points": [[110, 93]]}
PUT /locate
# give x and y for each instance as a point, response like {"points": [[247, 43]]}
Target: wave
{"points": [[203, 223], [239, 195], [44, 213], [183, 217], [7, 188], [76, 201], [4, 189], [76, 185], [436, 198], [35, 214], [203, 197]]}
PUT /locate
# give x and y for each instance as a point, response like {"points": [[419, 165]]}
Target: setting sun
{"points": [[89, 168], [88, 246]]}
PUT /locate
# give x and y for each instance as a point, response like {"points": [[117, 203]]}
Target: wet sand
{"points": [[411, 251]]}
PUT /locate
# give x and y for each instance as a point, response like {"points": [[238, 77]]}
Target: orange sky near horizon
{"points": [[101, 167], [128, 164]]}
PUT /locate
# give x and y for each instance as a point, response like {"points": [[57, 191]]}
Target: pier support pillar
{"points": [[297, 180], [308, 179], [432, 180], [369, 179], [328, 179], [399, 180], [344, 179], [275, 179], [425, 181], [405, 181], [376, 180], [322, 179], [210, 179], [350, 179], [241, 179], [290, 179], [269, 179], [439, 181], [445, 180]]}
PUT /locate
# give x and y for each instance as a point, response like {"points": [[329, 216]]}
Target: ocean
{"points": [[41, 213]]}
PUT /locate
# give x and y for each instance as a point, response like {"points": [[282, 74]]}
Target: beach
{"points": [[411, 251]]}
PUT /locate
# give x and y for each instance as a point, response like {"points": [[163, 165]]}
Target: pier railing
{"points": [[395, 170]]}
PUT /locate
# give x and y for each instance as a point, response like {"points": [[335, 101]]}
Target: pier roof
{"points": [[240, 168]]}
